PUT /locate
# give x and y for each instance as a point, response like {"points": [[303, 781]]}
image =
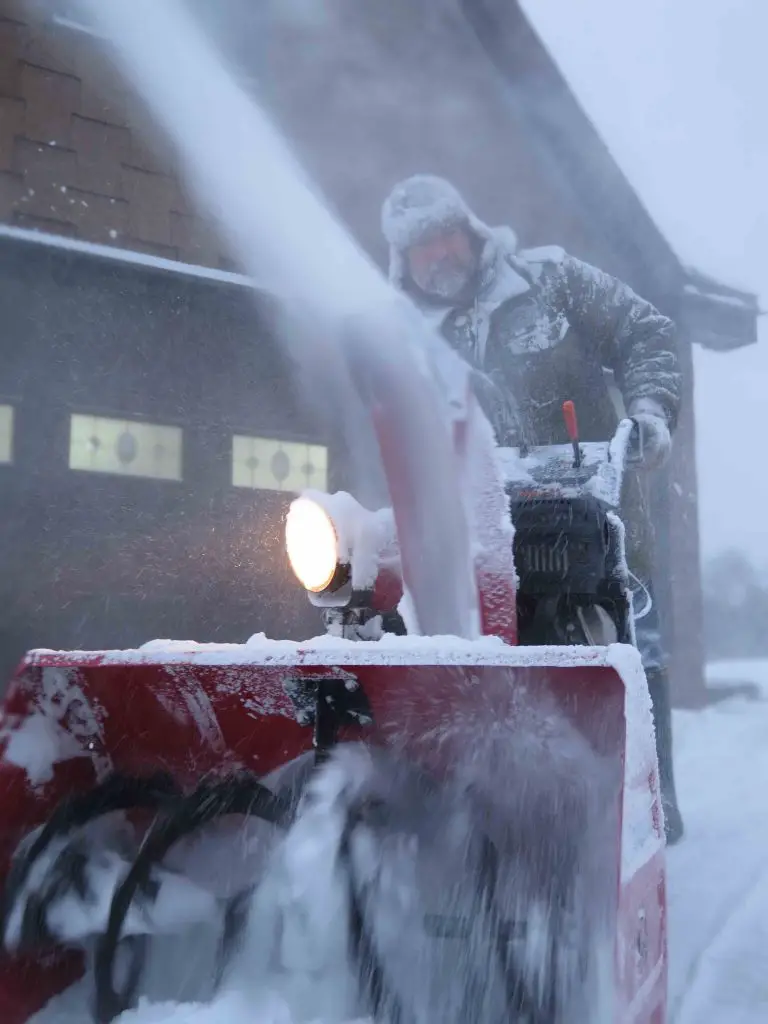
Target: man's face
{"points": [[444, 264]]}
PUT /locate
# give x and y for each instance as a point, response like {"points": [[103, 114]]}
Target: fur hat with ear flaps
{"points": [[423, 204]]}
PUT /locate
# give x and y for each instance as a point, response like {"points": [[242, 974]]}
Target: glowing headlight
{"points": [[310, 539]]}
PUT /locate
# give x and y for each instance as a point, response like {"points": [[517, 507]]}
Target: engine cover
{"points": [[561, 545]]}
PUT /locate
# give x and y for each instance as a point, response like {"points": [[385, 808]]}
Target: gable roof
{"points": [[717, 315]]}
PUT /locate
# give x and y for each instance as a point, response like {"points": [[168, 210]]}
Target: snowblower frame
{"points": [[188, 734], [183, 712]]}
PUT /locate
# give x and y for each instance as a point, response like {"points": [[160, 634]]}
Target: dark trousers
{"points": [[639, 547]]}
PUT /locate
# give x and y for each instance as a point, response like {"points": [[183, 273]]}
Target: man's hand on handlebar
{"points": [[653, 442]]}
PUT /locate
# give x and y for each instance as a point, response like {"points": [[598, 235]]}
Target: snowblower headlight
{"points": [[311, 542]]}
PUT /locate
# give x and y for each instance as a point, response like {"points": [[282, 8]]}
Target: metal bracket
{"points": [[328, 703]]}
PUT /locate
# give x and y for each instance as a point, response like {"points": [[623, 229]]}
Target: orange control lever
{"points": [[572, 426], [571, 423]]}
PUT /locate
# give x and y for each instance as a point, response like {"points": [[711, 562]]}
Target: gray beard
{"points": [[447, 282]]}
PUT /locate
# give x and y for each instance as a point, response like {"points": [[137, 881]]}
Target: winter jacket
{"points": [[540, 324]]}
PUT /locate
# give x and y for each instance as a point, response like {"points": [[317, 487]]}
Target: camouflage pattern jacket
{"points": [[539, 324], [542, 326]]}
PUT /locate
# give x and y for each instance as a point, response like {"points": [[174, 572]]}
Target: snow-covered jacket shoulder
{"points": [[633, 338], [543, 256]]}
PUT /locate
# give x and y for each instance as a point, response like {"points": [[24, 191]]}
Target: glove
{"points": [[655, 441]]}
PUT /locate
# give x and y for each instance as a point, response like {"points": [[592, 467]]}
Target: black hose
{"points": [[241, 794], [115, 793]]}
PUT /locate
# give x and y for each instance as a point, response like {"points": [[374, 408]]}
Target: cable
{"points": [[115, 793], [648, 598], [240, 794]]}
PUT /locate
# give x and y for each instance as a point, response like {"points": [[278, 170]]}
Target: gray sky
{"points": [[679, 91]]}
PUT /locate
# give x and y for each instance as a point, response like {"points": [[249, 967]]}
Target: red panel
{"points": [[191, 719]]}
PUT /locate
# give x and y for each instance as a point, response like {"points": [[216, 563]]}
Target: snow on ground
{"points": [[230, 1008], [718, 876]]}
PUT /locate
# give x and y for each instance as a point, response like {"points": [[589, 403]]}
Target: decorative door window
{"points": [[264, 463], [100, 444], [6, 434]]}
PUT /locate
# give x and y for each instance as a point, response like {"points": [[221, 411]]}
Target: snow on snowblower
{"points": [[373, 823]]}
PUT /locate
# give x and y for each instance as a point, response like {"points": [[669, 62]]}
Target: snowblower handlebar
{"points": [[556, 470]]}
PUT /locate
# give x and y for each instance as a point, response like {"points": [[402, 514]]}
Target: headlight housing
{"points": [[312, 545]]}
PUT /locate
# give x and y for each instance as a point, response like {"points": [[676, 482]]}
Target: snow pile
{"points": [[333, 650], [718, 876], [66, 725], [229, 1008], [178, 904], [37, 744]]}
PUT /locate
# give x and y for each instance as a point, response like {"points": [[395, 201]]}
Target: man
{"points": [[540, 326]]}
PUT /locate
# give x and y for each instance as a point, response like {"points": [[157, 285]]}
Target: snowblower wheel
{"points": [[520, 1001], [524, 999], [241, 794], [374, 991]]}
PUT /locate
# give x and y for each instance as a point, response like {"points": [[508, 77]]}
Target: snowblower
{"points": [[373, 823]]}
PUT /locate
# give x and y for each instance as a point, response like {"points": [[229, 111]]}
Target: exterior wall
{"points": [[379, 101], [75, 155], [92, 559], [374, 104], [683, 552]]}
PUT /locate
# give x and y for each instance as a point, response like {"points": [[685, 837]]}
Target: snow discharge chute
{"points": [[242, 174]]}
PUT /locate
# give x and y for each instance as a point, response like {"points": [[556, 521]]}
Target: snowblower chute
{"points": [[374, 822]]}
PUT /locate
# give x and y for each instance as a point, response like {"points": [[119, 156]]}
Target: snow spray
{"points": [[242, 174]]}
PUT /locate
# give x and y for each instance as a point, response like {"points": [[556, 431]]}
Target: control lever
{"points": [[572, 426]]}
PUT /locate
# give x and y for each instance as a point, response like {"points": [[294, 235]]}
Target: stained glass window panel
{"points": [[6, 433], [268, 464], [99, 444]]}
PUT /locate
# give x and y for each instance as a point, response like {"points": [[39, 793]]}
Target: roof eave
{"points": [[716, 316]]}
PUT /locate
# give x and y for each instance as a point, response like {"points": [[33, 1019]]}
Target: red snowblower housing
{"points": [[509, 779]]}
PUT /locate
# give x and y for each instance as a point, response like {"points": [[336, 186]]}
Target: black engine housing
{"points": [[569, 558]]}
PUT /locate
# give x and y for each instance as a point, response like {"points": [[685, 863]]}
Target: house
{"points": [[127, 331]]}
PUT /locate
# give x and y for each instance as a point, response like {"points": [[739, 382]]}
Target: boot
{"points": [[658, 685]]}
